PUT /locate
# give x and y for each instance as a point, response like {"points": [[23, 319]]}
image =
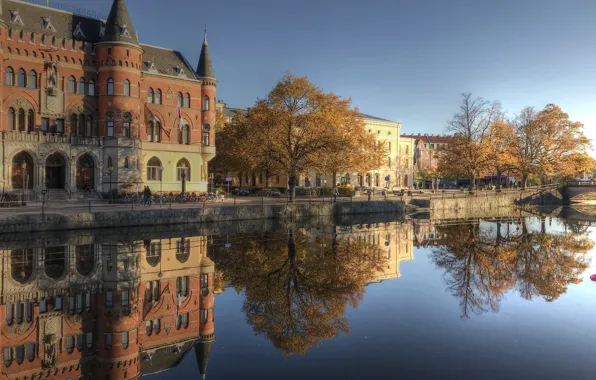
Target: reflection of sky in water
{"points": [[410, 328]]}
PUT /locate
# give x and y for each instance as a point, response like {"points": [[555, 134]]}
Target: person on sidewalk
{"points": [[335, 194], [369, 193]]}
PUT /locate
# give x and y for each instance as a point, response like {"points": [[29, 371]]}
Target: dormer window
{"points": [[16, 18], [78, 32], [102, 29], [179, 70], [47, 24], [124, 31], [150, 66]]}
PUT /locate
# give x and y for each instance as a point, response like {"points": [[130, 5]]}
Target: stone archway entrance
{"points": [[85, 172], [22, 171], [55, 171]]}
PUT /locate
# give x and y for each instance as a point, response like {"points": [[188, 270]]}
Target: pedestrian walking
{"points": [[369, 193], [335, 194], [149, 196]]}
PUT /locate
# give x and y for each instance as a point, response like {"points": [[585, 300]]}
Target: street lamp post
{"points": [[183, 176], [161, 179], [110, 170]]}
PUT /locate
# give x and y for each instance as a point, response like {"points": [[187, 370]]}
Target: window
{"points": [[88, 301], [150, 131], [150, 96], [153, 172], [82, 86], [110, 90], [22, 120], [81, 125], [30, 120], [89, 127], [205, 138], [108, 338], [80, 342], [72, 85], [149, 328], [43, 305], [204, 281], [21, 35], [125, 295], [70, 344], [58, 304], [109, 52], [60, 126], [110, 162], [206, 103], [183, 170], [9, 314], [9, 76], [7, 356], [110, 128], [71, 305], [89, 339], [91, 87], [186, 100], [204, 316], [180, 99], [127, 88], [9, 34], [125, 339], [11, 119], [79, 303], [19, 312], [153, 254], [156, 326], [28, 311], [21, 78], [109, 300], [32, 79], [158, 97], [19, 354], [74, 128], [73, 46], [127, 53], [43, 40], [126, 163], [30, 351], [126, 128]]}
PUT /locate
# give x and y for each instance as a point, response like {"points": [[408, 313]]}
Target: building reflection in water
{"points": [[106, 311]]}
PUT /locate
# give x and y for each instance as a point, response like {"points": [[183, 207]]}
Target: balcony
{"points": [[40, 137]]}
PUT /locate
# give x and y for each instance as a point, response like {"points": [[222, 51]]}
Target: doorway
{"points": [[55, 171]]}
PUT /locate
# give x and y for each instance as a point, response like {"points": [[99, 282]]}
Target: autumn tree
{"points": [[296, 126], [468, 154], [500, 155]]}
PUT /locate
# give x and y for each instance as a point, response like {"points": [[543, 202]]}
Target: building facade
{"points": [[86, 106], [79, 309], [426, 154]]}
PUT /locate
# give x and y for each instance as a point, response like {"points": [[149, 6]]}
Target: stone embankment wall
{"points": [[301, 211]]}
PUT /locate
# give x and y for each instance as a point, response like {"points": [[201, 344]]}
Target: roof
{"points": [[432, 139], [164, 357], [375, 118], [119, 25], [232, 112], [205, 68], [62, 25]]}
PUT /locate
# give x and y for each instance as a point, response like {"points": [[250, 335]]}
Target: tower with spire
{"points": [[206, 324], [206, 74]]}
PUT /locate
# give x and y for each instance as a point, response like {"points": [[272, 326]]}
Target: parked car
{"points": [[268, 192], [240, 191]]}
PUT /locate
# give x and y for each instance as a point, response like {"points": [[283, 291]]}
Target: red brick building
{"points": [[426, 152], [85, 105]]}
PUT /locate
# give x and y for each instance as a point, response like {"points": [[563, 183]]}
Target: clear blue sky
{"points": [[404, 60]]}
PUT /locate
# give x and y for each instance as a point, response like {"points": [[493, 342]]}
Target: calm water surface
{"points": [[490, 299]]}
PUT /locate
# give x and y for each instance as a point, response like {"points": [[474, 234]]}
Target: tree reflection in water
{"points": [[482, 263], [297, 287]]}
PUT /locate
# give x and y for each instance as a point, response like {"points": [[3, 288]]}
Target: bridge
{"points": [[578, 191]]}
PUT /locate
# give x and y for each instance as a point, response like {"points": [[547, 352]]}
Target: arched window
{"points": [[150, 95], [126, 163], [9, 34], [153, 169], [89, 127], [158, 96], [70, 344], [126, 124], [81, 125], [9, 76], [206, 130], [30, 121], [206, 103], [110, 162], [186, 132], [110, 90], [82, 86], [187, 100], [19, 354], [157, 132], [30, 351], [150, 131], [21, 35], [182, 250], [11, 119], [91, 87], [180, 136], [32, 38], [72, 85], [7, 356], [22, 120], [153, 253], [126, 87], [73, 125], [180, 99], [183, 170], [21, 78], [32, 79]]}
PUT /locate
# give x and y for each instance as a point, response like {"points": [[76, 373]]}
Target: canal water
{"points": [[375, 297]]}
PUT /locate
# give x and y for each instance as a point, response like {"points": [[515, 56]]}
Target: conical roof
{"points": [[119, 25], [202, 353], [205, 68]]}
